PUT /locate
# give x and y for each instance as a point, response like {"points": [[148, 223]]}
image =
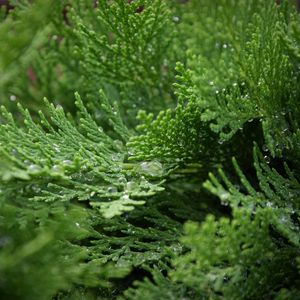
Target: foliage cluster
{"points": [[150, 149]]}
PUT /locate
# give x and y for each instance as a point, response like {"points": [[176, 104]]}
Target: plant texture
{"points": [[150, 150]]}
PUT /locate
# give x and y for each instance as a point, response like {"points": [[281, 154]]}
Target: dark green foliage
{"points": [[23, 32], [38, 258], [125, 45], [165, 164]]}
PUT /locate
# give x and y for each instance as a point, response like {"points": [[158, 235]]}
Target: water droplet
{"points": [[56, 168], [235, 84], [220, 141], [14, 152], [118, 144], [150, 49], [56, 148], [131, 185], [237, 187], [130, 153], [67, 162], [283, 219], [114, 157], [125, 197], [88, 176], [250, 120], [34, 168], [98, 115], [13, 98], [224, 196], [92, 194], [265, 148], [267, 159], [122, 180], [152, 168], [211, 83], [175, 19], [36, 188], [225, 46], [77, 224], [283, 113], [112, 190]]}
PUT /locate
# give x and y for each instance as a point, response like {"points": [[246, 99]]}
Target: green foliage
{"points": [[66, 161], [230, 264], [228, 257], [247, 247], [23, 32], [175, 174], [127, 42], [177, 134], [238, 81], [45, 256]]}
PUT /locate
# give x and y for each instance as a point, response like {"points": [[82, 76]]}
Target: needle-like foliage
{"points": [[163, 162]]}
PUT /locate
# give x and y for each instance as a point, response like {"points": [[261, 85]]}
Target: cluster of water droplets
{"points": [[224, 46], [266, 151]]}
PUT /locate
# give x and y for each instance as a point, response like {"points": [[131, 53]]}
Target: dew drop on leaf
{"points": [[12, 98], [34, 168], [112, 190], [267, 159], [175, 19], [152, 168]]}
